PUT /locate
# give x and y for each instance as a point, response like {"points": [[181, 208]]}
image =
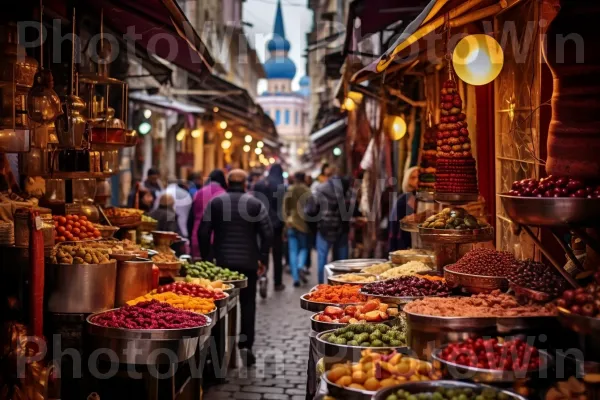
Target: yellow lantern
{"points": [[478, 59], [223, 125], [246, 148], [228, 135], [225, 144], [396, 127]]}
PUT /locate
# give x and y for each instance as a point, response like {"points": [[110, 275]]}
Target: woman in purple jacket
{"points": [[215, 185]]}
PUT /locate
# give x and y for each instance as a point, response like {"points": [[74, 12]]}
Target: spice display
{"points": [[512, 355], [554, 186], [455, 165], [341, 294], [433, 278], [488, 393], [355, 278], [79, 254], [165, 258], [573, 388], [428, 160], [189, 289], [495, 304], [208, 270], [74, 228], [377, 269], [376, 370], [366, 335], [411, 267], [536, 276], [486, 262], [453, 218], [371, 311], [150, 315], [188, 303], [583, 301], [407, 286]]}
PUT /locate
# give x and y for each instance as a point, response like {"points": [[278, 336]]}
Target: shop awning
{"points": [[330, 130], [375, 16], [166, 102], [159, 26], [410, 43]]}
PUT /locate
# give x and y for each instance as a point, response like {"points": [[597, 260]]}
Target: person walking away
{"points": [[405, 205], [243, 235], [152, 182], [183, 204], [165, 214], [194, 183], [332, 204], [215, 186], [271, 191], [297, 228]]}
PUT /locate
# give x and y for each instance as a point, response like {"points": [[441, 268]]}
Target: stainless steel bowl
{"points": [[550, 211], [335, 279], [320, 326], [455, 236], [340, 392], [240, 283], [474, 283], [432, 386], [461, 372], [81, 288], [353, 265], [340, 352], [146, 346]]}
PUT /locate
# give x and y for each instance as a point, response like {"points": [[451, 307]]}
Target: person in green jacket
{"points": [[297, 228]]}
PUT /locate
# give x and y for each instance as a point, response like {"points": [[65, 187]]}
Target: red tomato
{"points": [[96, 233], [76, 224], [83, 218], [60, 238], [61, 229], [76, 231], [68, 236], [62, 220], [69, 227], [83, 235], [83, 228]]}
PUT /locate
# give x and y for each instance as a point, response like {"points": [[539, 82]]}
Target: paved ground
{"points": [[281, 349]]}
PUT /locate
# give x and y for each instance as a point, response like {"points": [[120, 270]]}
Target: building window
{"points": [[287, 117], [296, 119], [277, 117]]}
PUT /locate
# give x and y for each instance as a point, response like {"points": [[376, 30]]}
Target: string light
{"points": [[271, 160], [180, 134], [147, 113], [337, 152], [228, 135], [196, 133], [260, 144], [225, 144], [248, 139], [246, 148], [258, 150], [223, 125], [216, 109]]}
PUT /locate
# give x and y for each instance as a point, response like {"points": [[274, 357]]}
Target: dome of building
{"points": [[278, 43], [304, 81], [280, 68]]}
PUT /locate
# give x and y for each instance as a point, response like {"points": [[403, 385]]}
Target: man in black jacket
{"points": [[242, 238]]}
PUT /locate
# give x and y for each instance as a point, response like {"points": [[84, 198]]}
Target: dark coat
{"points": [[167, 219], [333, 207], [242, 231]]}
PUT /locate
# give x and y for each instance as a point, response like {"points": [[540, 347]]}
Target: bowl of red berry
{"points": [[535, 281], [491, 360], [579, 309], [553, 201]]}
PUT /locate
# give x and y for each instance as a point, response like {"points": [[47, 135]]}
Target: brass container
{"points": [[134, 279], [70, 126]]}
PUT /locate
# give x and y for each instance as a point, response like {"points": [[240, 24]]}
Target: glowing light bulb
{"points": [[260, 144], [180, 135], [258, 150], [398, 128], [225, 144], [271, 160], [223, 125], [216, 109], [246, 148], [228, 135], [196, 133], [349, 104], [337, 152], [478, 59], [144, 128], [147, 113], [248, 139]]}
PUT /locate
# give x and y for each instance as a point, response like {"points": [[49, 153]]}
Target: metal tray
{"points": [[319, 326], [529, 294], [353, 265], [342, 393], [430, 323], [349, 353], [240, 283], [550, 211], [461, 372], [579, 323], [474, 283], [455, 236], [316, 306], [455, 198], [431, 386], [147, 346], [333, 281]]}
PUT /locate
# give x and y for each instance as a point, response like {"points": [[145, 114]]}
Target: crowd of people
{"points": [[242, 219]]}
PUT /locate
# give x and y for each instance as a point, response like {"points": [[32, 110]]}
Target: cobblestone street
{"points": [[281, 350]]}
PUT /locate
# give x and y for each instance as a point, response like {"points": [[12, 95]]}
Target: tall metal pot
{"points": [[134, 279]]}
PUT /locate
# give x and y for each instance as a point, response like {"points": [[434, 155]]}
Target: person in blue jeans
{"points": [[298, 230], [333, 208]]}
